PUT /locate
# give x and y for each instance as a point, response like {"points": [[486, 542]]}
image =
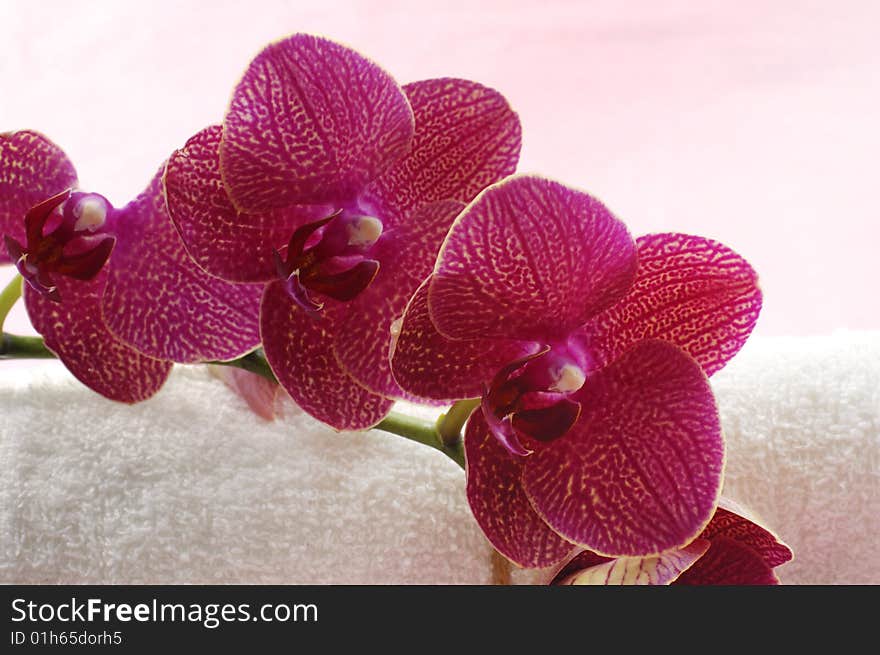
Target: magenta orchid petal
{"points": [[75, 331], [407, 252], [726, 523], [223, 241], [32, 168], [499, 505], [662, 569], [529, 259], [428, 365], [690, 291], [311, 121], [299, 348], [641, 470], [729, 562], [160, 303], [466, 138]]}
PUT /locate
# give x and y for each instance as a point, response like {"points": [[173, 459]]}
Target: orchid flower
{"points": [[590, 353], [112, 291], [731, 550], [334, 187]]}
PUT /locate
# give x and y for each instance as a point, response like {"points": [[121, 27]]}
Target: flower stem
{"points": [[403, 425], [424, 432], [450, 424], [8, 297], [421, 431], [13, 346]]}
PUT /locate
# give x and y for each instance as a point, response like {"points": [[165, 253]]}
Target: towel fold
{"points": [[192, 487]]}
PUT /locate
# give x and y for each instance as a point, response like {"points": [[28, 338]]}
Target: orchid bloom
{"points": [[112, 291], [590, 352], [731, 550], [334, 187]]}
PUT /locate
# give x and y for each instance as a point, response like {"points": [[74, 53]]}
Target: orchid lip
{"points": [[531, 397], [330, 257], [65, 236]]}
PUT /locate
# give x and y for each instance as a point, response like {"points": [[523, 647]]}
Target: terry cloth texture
{"points": [[191, 487]]}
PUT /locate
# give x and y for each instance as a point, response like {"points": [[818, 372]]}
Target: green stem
{"points": [[410, 427], [255, 362], [450, 424], [13, 346], [8, 297], [424, 432], [421, 431]]}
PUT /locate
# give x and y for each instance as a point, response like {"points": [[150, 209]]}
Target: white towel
{"points": [[191, 487]]}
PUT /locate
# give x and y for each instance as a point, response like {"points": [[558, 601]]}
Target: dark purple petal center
{"points": [[529, 400], [330, 257], [67, 235]]}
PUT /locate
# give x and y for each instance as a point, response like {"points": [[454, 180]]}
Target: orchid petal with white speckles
{"points": [[311, 121], [163, 305], [529, 259], [32, 168], [690, 291]]}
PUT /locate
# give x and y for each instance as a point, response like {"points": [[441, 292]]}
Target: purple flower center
{"points": [[531, 397], [330, 257], [66, 235]]}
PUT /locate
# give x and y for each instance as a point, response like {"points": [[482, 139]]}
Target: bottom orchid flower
{"points": [[731, 550]]}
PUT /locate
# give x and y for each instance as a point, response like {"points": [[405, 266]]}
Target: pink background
{"points": [[751, 122]]}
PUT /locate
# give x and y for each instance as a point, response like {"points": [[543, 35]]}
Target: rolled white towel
{"points": [[191, 487]]}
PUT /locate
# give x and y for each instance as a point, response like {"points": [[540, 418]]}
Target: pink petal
{"points": [[466, 138], [406, 254], [641, 470], [729, 562], [498, 503], [690, 291], [32, 169], [260, 394], [733, 526], [428, 365], [662, 569], [311, 122], [160, 303], [299, 347], [74, 330], [223, 241], [529, 259]]}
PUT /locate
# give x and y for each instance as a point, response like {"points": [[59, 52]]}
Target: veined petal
{"points": [[729, 562], [311, 122], [223, 241], [299, 348], [662, 569], [529, 259], [498, 503], [428, 365], [74, 330], [729, 524], [406, 254], [160, 303], [32, 169], [690, 291], [640, 471], [466, 138]]}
